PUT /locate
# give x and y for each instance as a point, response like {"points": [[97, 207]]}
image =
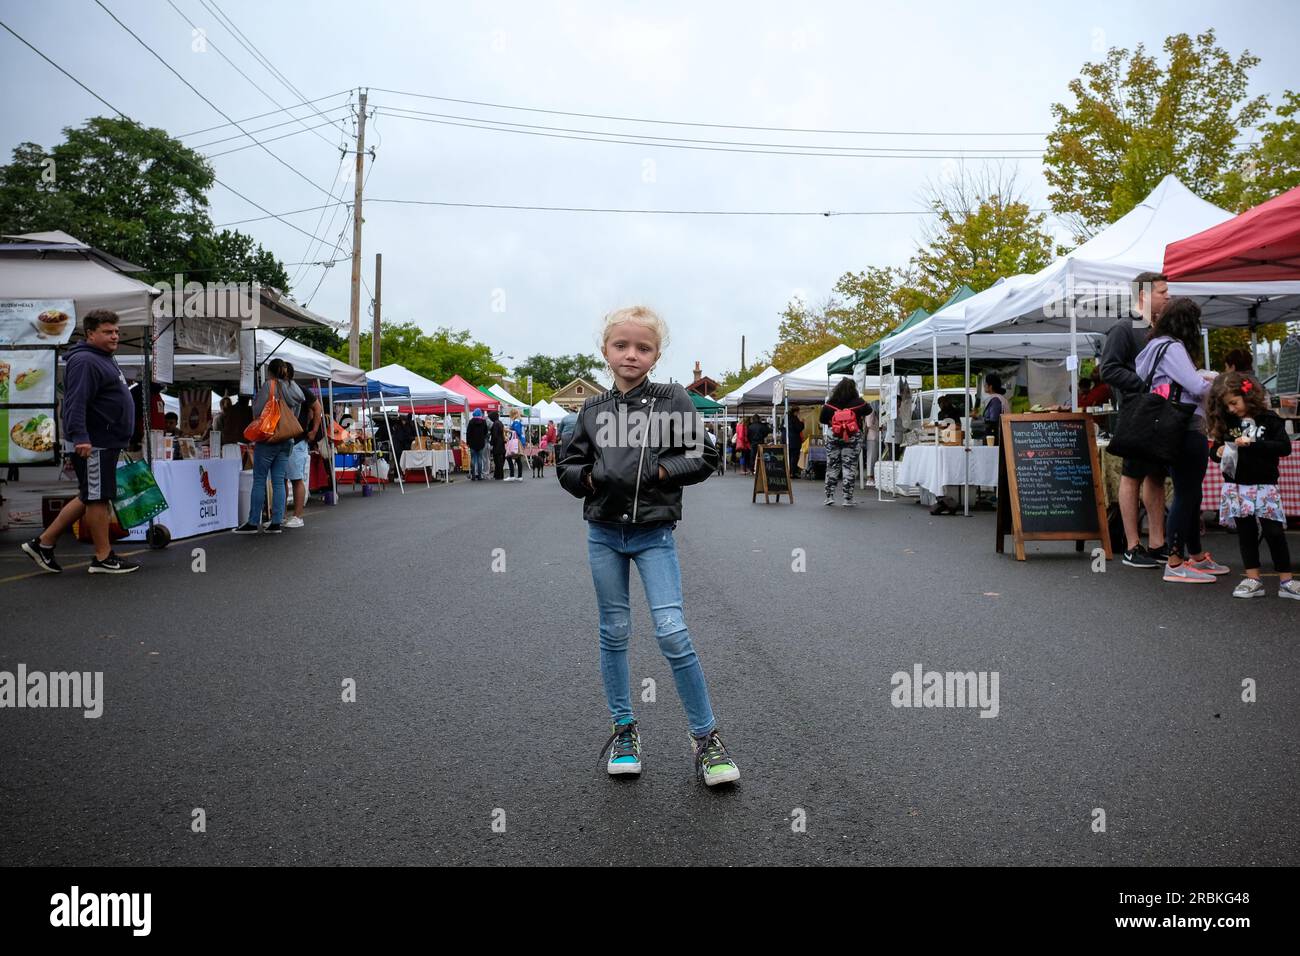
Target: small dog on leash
{"points": [[539, 465]]}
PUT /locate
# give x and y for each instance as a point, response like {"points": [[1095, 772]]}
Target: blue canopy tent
{"points": [[372, 390]]}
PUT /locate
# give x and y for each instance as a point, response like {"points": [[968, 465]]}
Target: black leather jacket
{"points": [[612, 444]]}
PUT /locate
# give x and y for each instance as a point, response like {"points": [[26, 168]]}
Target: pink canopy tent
{"points": [[475, 399]]}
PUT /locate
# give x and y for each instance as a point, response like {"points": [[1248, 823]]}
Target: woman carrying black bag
{"points": [[1168, 363]]}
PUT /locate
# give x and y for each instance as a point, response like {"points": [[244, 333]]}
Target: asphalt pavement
{"points": [[478, 709]]}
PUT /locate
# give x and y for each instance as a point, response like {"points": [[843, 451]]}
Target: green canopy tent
{"points": [[709, 412], [871, 353], [706, 406]]}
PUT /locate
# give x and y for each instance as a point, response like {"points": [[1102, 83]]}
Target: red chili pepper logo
{"points": [[207, 485]]}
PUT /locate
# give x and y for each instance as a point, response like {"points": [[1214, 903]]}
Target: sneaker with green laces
{"points": [[624, 746], [712, 763]]}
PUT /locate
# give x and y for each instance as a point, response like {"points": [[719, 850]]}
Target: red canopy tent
{"points": [[472, 395], [1260, 245]]}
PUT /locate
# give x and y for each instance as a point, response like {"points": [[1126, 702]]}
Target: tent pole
{"points": [[1073, 365], [329, 440], [1205, 341], [934, 405], [966, 434], [446, 440], [389, 428]]}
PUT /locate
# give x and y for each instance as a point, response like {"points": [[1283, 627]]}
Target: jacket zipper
{"points": [[640, 465]]}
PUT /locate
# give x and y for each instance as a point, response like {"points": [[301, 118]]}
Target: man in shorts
{"points": [[98, 419], [1139, 479]]}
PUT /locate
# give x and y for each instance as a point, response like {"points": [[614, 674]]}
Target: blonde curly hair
{"points": [[638, 315]]}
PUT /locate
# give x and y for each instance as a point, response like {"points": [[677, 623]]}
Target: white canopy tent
{"points": [[528, 417], [993, 345], [1090, 288], [54, 265], [735, 397], [548, 411], [422, 389], [809, 382]]}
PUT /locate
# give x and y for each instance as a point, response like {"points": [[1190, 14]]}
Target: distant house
{"points": [[703, 385], [572, 396]]}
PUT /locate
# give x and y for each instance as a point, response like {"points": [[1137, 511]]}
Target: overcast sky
{"points": [[531, 281]]}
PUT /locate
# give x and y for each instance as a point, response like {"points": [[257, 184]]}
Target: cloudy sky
{"points": [[539, 281]]}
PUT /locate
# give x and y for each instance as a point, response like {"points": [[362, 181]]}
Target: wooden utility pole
{"points": [[354, 341], [379, 294], [742, 353]]}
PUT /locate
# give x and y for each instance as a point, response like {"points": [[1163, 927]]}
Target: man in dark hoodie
{"points": [[98, 419], [476, 435]]}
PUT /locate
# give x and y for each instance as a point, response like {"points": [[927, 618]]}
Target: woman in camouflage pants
{"points": [[845, 442]]}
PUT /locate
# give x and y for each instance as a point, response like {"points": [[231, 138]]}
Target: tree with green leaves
{"points": [[437, 357], [558, 370], [805, 332], [984, 229], [869, 304], [1134, 121], [731, 381], [1270, 165], [135, 193]]}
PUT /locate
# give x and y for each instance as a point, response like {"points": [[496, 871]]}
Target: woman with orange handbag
{"points": [[275, 426]]}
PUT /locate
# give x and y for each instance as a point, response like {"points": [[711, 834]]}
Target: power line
{"points": [[711, 149], [684, 139], [139, 125], [263, 129], [633, 119], [248, 119], [217, 50], [296, 132], [172, 70], [343, 155], [828, 214], [292, 212], [225, 19]]}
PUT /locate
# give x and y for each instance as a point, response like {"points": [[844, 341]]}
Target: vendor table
{"points": [[202, 495], [933, 466], [436, 459]]}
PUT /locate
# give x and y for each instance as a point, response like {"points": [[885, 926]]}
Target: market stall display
{"points": [[933, 468]]}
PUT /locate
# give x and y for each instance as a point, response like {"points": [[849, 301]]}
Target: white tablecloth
{"points": [[435, 458], [932, 467]]}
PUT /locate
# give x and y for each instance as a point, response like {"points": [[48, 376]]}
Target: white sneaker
{"points": [[294, 523], [1249, 588], [1289, 589]]}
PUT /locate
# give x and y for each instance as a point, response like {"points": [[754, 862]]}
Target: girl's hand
{"points": [[663, 473], [1218, 452], [1243, 440]]}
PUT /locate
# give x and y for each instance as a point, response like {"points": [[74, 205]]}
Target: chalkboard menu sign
{"points": [[1049, 484], [1288, 367], [772, 474]]}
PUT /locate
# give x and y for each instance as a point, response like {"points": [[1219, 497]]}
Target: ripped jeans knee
{"points": [[614, 631], [674, 639]]}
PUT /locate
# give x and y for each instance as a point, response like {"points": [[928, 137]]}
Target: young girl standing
{"points": [[633, 449], [1249, 439]]}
